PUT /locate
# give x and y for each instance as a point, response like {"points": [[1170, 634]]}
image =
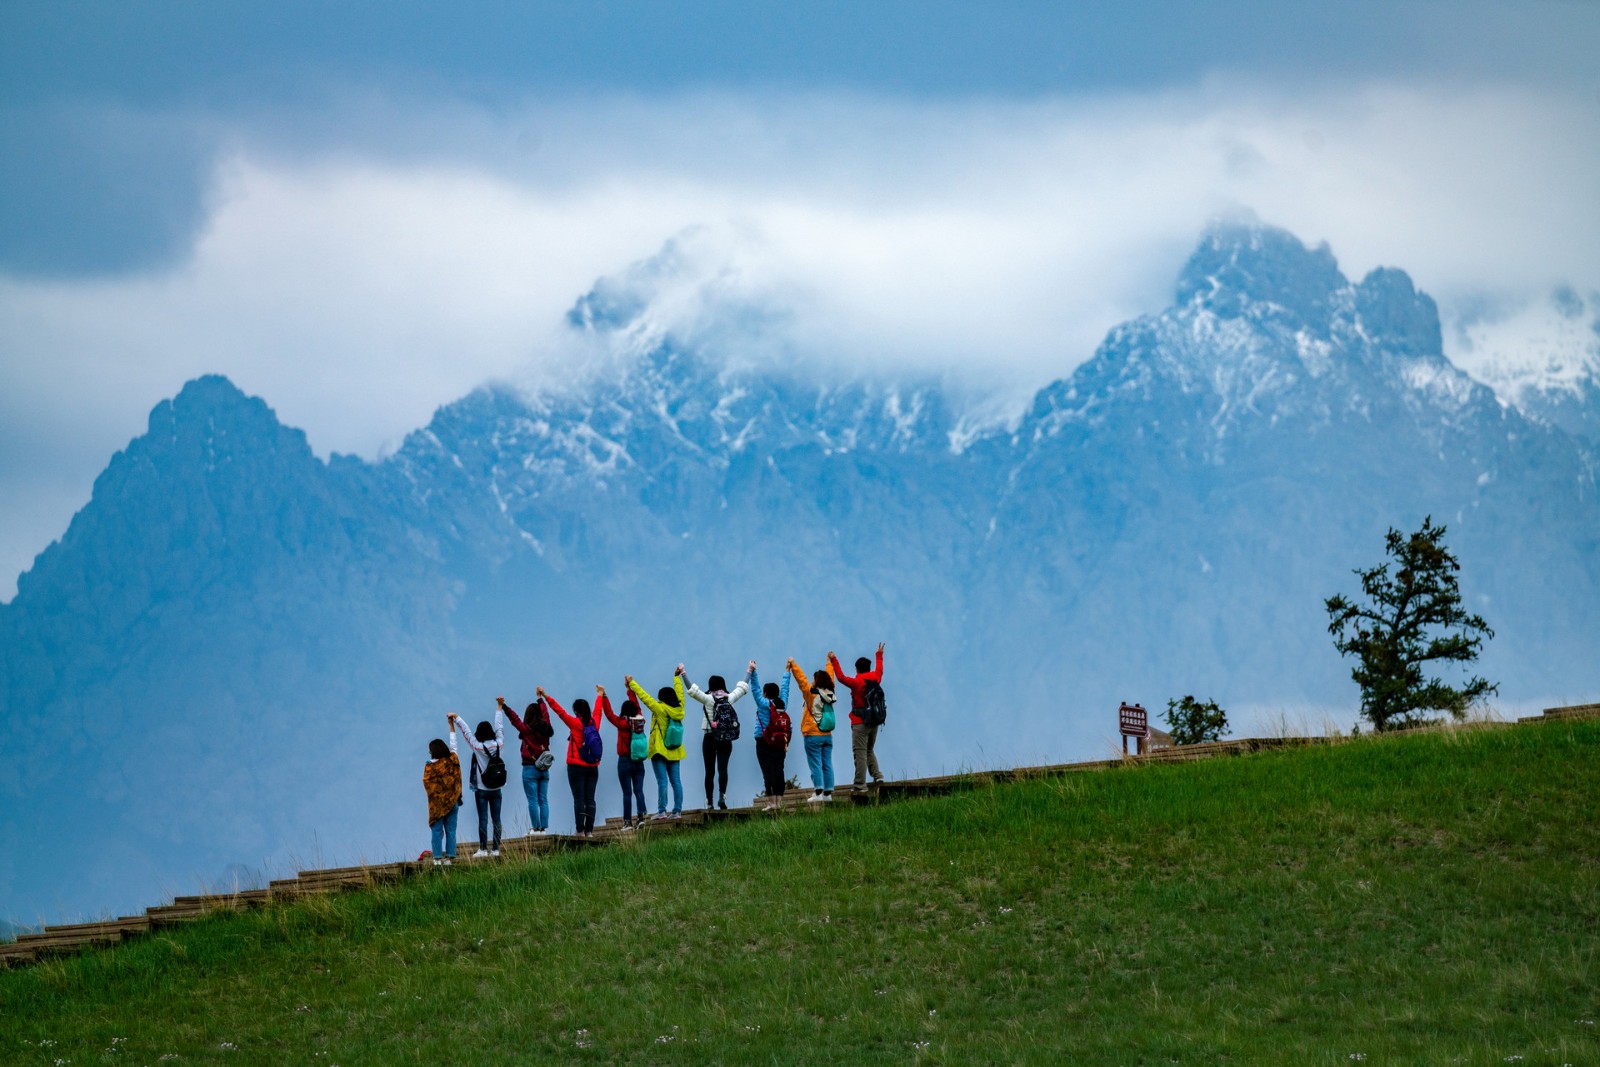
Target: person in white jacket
{"points": [[721, 729], [486, 741]]}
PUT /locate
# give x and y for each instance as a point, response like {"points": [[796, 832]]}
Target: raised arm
{"points": [[877, 670], [520, 726], [838, 671], [466, 735], [701, 695], [800, 676], [645, 699], [602, 704], [677, 685], [554, 705], [452, 719]]}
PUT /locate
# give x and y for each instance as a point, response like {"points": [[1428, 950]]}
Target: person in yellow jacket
{"points": [[818, 695], [666, 739]]}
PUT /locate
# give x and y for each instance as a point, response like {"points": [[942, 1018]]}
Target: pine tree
{"points": [[1412, 617]]}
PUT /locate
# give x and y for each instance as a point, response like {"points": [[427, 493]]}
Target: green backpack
{"points": [[825, 717], [673, 734], [639, 745]]}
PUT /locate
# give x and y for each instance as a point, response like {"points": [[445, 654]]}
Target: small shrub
{"points": [[1192, 722]]}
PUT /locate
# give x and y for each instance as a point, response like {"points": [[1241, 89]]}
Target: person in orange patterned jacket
{"points": [[441, 778]]}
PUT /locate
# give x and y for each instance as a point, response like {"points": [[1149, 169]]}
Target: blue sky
{"points": [[361, 210]]}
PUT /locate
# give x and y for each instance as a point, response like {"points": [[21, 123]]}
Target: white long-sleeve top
{"points": [[709, 700], [484, 749]]}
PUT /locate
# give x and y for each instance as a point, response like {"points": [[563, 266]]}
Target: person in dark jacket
{"points": [[535, 732]]}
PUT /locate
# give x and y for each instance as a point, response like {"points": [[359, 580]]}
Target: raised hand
{"points": [[500, 701], [680, 669], [628, 679], [751, 669], [600, 689], [880, 646], [539, 692]]}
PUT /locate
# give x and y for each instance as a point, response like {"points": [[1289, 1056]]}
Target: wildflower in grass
{"points": [[919, 1045], [1358, 1055], [228, 1046], [1005, 911]]}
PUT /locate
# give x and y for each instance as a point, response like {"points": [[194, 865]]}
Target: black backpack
{"points": [[724, 720], [873, 711], [493, 775]]}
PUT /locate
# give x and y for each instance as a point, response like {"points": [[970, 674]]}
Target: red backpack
{"points": [[778, 731]]}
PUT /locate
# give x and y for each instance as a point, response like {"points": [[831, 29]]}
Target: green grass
{"points": [[1430, 898]]}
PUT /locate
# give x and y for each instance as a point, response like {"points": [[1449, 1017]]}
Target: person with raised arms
{"points": [[633, 752], [441, 780], [487, 779], [721, 730], [866, 712], [816, 727], [773, 732], [666, 739], [584, 749], [535, 732]]}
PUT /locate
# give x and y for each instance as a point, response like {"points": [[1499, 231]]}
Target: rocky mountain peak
{"points": [[1239, 268]]}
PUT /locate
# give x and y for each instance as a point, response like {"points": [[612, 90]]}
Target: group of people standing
{"points": [[657, 741]]}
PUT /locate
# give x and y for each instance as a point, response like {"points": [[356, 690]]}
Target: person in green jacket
{"points": [[666, 739]]}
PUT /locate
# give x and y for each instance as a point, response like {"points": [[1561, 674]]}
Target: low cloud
{"points": [[361, 269]]}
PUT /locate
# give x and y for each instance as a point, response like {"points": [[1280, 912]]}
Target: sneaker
{"points": [[815, 798], [677, 815], [480, 854], [722, 803], [438, 863], [658, 816], [535, 832], [627, 827], [450, 861], [494, 852]]}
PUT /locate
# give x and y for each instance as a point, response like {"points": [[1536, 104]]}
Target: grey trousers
{"points": [[862, 741]]}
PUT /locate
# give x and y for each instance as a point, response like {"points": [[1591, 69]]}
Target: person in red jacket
{"points": [[583, 753], [863, 737], [535, 732], [630, 771]]}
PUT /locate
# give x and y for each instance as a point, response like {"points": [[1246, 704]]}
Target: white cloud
{"points": [[360, 283]]}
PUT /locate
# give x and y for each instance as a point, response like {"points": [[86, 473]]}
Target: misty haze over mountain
{"points": [[238, 652]]}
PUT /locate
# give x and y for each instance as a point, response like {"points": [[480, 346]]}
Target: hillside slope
{"points": [[1418, 899]]}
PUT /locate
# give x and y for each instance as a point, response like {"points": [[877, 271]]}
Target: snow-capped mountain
{"points": [[1543, 359], [1166, 519]]}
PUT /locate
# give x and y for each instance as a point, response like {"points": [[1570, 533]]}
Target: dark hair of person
{"points": [[438, 749], [717, 683], [822, 680], [630, 709], [770, 690], [484, 732], [863, 665], [581, 709], [777, 702], [668, 696]]}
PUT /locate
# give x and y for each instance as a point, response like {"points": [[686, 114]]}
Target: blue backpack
{"points": [[592, 747]]}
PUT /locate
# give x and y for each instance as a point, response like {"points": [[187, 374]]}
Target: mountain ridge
{"points": [[1165, 519]]}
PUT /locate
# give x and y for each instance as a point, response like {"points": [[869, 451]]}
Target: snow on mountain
{"points": [[1167, 519], [1543, 358]]}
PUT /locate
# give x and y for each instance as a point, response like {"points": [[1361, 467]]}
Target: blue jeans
{"points": [[444, 835], [488, 805], [630, 772], [536, 784], [667, 770], [819, 757]]}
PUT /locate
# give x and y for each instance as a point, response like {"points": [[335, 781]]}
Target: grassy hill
{"points": [[1428, 898]]}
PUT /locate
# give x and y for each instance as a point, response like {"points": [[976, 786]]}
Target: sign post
{"points": [[1133, 721]]}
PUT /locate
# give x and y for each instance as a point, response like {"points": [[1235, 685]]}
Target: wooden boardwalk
{"points": [[76, 937]]}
